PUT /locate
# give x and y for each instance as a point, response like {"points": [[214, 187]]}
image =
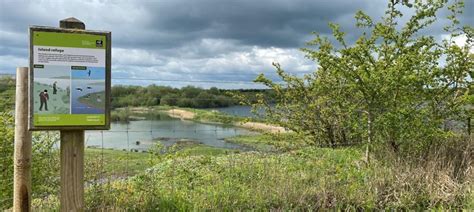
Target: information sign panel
{"points": [[69, 79]]}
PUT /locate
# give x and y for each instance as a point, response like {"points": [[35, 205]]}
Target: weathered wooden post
{"points": [[72, 170], [72, 153], [22, 155]]}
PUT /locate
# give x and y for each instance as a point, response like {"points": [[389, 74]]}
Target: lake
{"points": [[236, 110], [167, 130]]}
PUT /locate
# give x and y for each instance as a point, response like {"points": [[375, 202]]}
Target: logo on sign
{"points": [[98, 43]]}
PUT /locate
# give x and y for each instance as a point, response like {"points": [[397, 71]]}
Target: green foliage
{"points": [[215, 117], [245, 181], [6, 160], [107, 163], [122, 115], [189, 176], [393, 86], [305, 179], [191, 148], [45, 164], [45, 160], [155, 153], [7, 93], [189, 96], [270, 142]]}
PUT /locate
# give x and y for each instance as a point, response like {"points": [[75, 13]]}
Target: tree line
{"points": [[154, 95], [189, 96]]}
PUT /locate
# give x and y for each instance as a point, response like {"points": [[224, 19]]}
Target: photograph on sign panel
{"points": [[88, 90], [51, 89]]}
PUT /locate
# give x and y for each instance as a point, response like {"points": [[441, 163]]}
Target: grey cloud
{"points": [[263, 23], [194, 39]]}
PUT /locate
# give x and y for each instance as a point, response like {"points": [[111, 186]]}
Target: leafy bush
{"points": [[392, 86], [44, 166], [7, 93], [6, 160]]}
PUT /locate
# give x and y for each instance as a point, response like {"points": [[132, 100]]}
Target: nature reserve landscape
{"points": [[249, 105]]}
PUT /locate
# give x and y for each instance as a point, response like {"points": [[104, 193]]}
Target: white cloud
{"points": [[232, 66], [12, 63], [459, 41]]}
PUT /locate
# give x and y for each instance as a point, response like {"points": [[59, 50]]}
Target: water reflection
{"points": [[141, 135]]}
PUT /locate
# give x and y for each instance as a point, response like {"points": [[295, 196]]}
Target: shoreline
{"points": [[185, 114], [256, 126]]}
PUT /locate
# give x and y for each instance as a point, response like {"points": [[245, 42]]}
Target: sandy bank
{"points": [[180, 114], [262, 127], [184, 114]]}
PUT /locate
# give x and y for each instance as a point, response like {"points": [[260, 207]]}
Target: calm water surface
{"points": [[141, 135], [236, 110]]}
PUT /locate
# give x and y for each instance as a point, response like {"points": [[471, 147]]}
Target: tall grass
{"points": [[305, 179], [441, 177]]}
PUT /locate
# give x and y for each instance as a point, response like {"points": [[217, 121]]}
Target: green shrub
{"points": [[6, 160]]}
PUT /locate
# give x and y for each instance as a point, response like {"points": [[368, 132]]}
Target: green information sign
{"points": [[69, 79]]}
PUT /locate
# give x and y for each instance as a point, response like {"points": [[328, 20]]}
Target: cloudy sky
{"points": [[223, 43]]}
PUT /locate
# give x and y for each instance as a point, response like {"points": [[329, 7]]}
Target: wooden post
{"points": [[72, 154], [22, 155], [72, 170]]}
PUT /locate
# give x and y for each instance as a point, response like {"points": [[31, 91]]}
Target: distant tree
{"points": [[185, 102], [223, 101], [129, 96], [190, 91], [169, 99], [214, 91], [204, 100]]}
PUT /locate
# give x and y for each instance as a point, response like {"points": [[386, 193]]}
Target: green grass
{"points": [[269, 142], [116, 162], [186, 148], [127, 114], [194, 177], [122, 163], [203, 150], [214, 116], [305, 179]]}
